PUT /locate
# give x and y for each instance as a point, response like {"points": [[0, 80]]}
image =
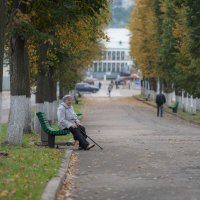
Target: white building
{"points": [[116, 59], [127, 3]]}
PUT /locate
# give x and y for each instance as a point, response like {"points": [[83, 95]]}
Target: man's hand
{"points": [[74, 125], [78, 123]]}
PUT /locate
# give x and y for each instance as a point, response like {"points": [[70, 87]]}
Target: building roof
{"points": [[119, 38]]}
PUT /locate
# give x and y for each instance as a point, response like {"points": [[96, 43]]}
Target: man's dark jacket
{"points": [[160, 99]]}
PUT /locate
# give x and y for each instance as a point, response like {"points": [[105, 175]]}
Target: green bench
{"points": [[174, 107], [79, 114], [147, 98], [46, 127]]}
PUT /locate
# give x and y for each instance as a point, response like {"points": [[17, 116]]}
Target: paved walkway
{"points": [[144, 157]]}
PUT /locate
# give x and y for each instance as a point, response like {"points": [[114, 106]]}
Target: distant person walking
{"points": [[116, 84], [110, 87], [99, 85], [160, 100]]}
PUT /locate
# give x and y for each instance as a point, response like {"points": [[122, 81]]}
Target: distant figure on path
{"points": [[160, 100], [99, 85], [110, 87], [116, 84]]}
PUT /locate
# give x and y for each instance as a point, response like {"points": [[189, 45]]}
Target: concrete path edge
{"points": [[54, 185]]}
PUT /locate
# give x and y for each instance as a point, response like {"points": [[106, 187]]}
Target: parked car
{"points": [[86, 87], [89, 81]]}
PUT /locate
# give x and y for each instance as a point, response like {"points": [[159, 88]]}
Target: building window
{"points": [[104, 67], [109, 55], [122, 67], [104, 55], [118, 55], [95, 67], [118, 67], [100, 67], [125, 67], [109, 67], [122, 55], [113, 67], [113, 55]]}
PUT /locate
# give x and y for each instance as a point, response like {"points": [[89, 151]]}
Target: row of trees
{"points": [[47, 41], [166, 43]]}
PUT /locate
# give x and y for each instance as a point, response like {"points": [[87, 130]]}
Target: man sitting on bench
{"points": [[67, 119]]}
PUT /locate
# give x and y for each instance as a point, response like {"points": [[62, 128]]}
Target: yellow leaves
{"points": [[33, 13], [180, 31], [27, 2], [49, 41], [144, 45], [21, 17], [6, 193]]}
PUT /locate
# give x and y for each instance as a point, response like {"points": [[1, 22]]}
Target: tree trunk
{"points": [[18, 91], [28, 108], [153, 83], [3, 4], [40, 85], [61, 90], [55, 102], [41, 73], [2, 32], [52, 92], [18, 76]]}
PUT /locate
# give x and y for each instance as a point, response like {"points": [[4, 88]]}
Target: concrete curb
{"points": [[174, 114], [54, 185]]}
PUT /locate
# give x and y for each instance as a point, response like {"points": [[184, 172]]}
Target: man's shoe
{"points": [[90, 146]]}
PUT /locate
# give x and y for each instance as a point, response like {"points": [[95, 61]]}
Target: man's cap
{"points": [[68, 96]]}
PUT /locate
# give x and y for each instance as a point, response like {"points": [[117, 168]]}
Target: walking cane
{"points": [[91, 139]]}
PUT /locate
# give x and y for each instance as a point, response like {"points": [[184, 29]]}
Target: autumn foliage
{"points": [[165, 44]]}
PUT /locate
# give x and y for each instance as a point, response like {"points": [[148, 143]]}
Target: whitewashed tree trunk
{"points": [[194, 107], [169, 98], [158, 86], [39, 108], [28, 116], [186, 105], [55, 107], [173, 96], [198, 104], [16, 120], [51, 113], [0, 116], [47, 110], [142, 90], [179, 99], [182, 100], [153, 94]]}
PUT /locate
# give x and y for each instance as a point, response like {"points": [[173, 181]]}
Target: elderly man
{"points": [[67, 119]]}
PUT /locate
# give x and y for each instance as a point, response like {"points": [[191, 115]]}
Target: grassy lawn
{"points": [[27, 168]]}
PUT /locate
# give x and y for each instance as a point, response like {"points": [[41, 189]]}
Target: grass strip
{"points": [[26, 169]]}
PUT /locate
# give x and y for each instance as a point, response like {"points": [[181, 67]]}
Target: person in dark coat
{"points": [[99, 85], [160, 100]]}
